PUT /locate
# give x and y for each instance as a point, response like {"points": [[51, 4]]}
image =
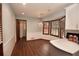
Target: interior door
{"points": [[17, 30], [21, 29]]}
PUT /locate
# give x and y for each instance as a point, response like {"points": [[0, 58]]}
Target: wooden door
{"points": [[18, 28]]}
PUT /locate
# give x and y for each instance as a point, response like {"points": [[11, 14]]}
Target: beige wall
{"points": [[9, 29]]}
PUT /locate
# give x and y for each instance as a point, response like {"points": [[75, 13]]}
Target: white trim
{"points": [[6, 42], [9, 44]]}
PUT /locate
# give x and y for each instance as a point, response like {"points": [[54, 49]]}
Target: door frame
{"points": [[18, 29]]}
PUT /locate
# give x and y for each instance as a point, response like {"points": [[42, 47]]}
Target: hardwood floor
{"points": [[36, 48]]}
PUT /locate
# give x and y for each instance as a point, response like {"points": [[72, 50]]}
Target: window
{"points": [[58, 27], [55, 28], [46, 29], [62, 27]]}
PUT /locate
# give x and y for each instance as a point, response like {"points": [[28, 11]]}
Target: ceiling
{"points": [[37, 10]]}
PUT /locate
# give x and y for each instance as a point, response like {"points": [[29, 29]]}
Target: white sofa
{"points": [[66, 45]]}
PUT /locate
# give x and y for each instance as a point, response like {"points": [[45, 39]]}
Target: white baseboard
{"points": [[34, 36]]}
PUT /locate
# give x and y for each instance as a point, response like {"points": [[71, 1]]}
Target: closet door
{"points": [[1, 37]]}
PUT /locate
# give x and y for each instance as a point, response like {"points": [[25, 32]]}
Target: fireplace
{"points": [[74, 37]]}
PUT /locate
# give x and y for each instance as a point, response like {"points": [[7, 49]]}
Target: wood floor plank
{"points": [[37, 47]]}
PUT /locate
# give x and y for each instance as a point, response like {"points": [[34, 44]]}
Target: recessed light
{"points": [[22, 13], [24, 4]]}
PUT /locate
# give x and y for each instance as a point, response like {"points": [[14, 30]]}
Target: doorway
{"points": [[21, 29]]}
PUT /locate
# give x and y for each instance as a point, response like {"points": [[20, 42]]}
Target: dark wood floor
{"points": [[38, 47]]}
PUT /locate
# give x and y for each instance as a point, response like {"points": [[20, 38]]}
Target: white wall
{"points": [[33, 27], [72, 17], [9, 29]]}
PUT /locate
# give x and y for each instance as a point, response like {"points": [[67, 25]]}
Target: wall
{"points": [[9, 29], [72, 17], [33, 28]]}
